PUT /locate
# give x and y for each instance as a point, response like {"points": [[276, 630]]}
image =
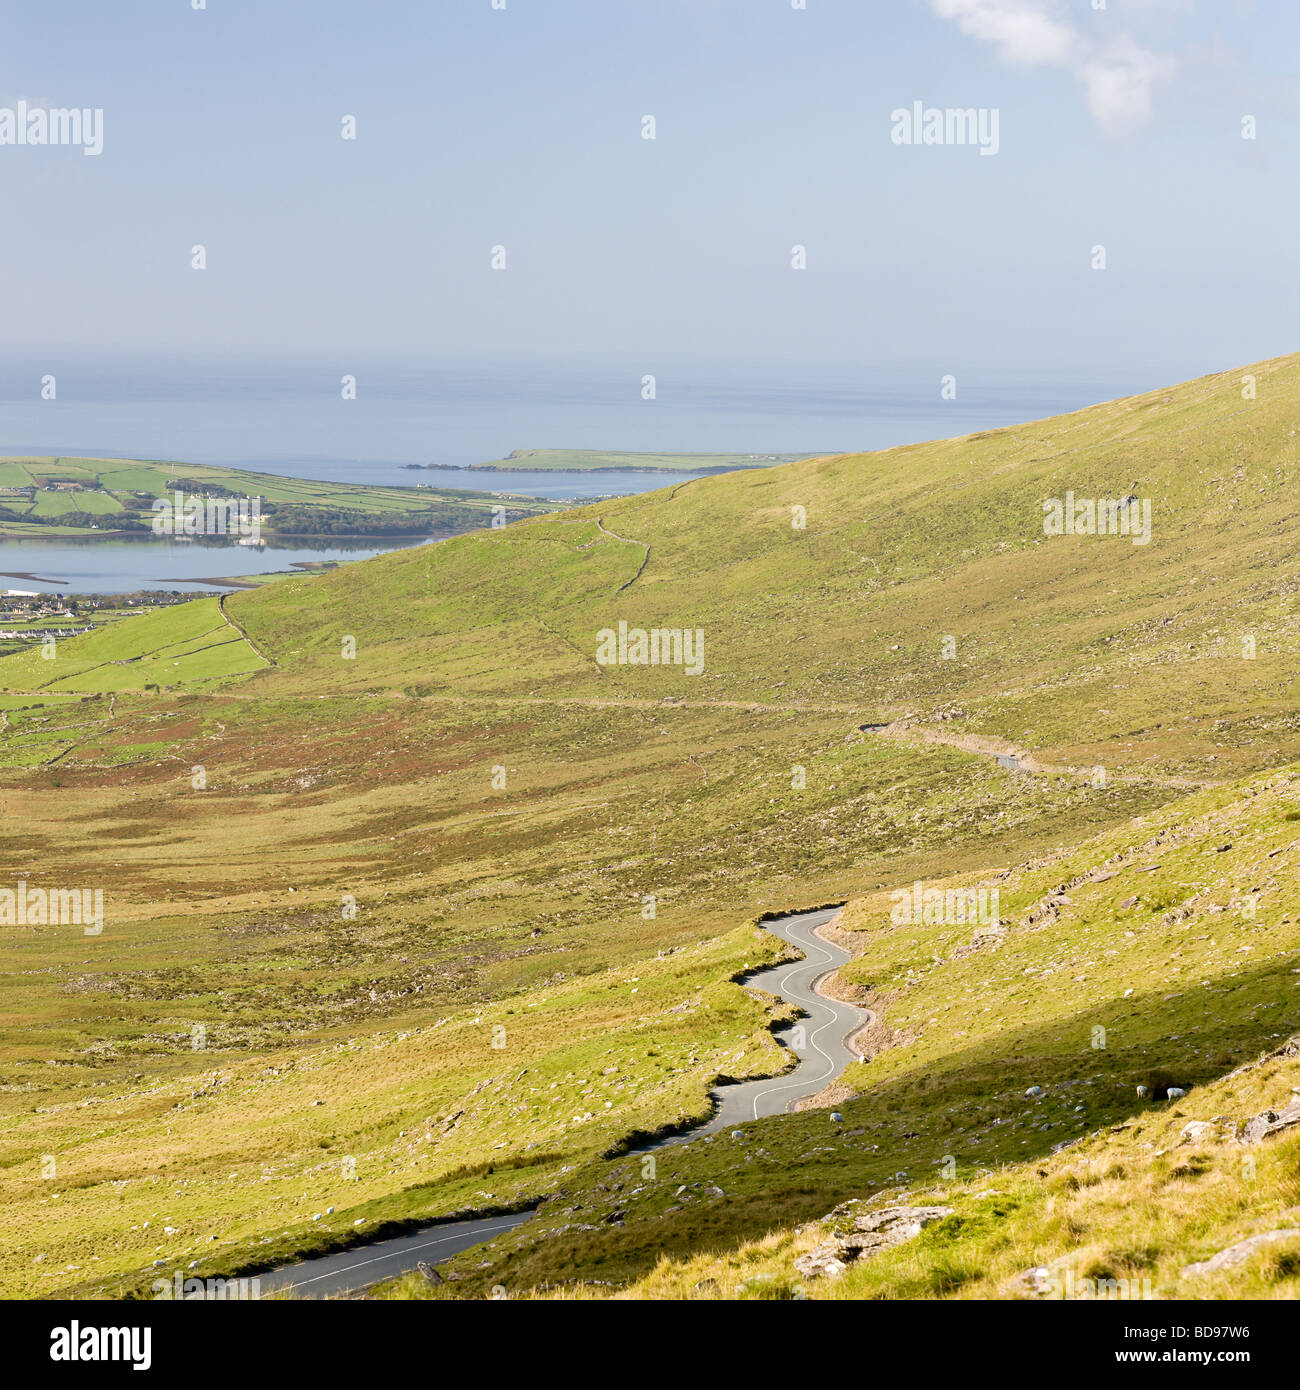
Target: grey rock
{"points": [[822, 1263], [1068, 1143], [1236, 1254], [1270, 1122], [858, 1233], [1041, 1280]]}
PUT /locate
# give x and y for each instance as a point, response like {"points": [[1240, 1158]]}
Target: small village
{"points": [[30, 616]]}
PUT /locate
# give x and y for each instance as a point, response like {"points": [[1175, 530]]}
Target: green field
{"points": [[428, 812], [60, 503], [186, 645]]}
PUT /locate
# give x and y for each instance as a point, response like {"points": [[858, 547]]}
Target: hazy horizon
{"points": [[288, 415]]}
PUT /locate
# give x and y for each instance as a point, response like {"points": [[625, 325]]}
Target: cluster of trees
{"points": [[106, 521], [200, 487]]}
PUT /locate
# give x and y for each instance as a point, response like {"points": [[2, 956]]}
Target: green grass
{"points": [[1136, 1201], [13, 474], [578, 1063], [185, 644], [61, 503], [965, 1030]]}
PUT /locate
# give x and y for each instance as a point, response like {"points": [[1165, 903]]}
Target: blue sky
{"points": [[522, 127]]}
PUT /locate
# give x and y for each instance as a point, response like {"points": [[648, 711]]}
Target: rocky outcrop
{"points": [[1270, 1122], [1236, 1254], [857, 1231]]}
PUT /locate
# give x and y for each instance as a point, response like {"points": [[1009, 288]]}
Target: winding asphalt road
{"points": [[354, 1269], [819, 1040]]}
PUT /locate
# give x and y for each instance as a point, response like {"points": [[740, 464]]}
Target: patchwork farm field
{"points": [[35, 493]]}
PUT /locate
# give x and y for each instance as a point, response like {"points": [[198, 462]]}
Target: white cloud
{"points": [[1024, 32], [1120, 83], [1119, 76]]}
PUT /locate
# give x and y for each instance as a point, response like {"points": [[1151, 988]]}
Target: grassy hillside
{"points": [[427, 742], [1176, 937], [190, 644], [1149, 1201], [1091, 649]]}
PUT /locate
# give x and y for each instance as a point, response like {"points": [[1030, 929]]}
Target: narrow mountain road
{"points": [[363, 1265], [1015, 759], [820, 1041]]}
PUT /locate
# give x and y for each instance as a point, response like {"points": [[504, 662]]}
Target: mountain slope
{"points": [[1160, 954], [313, 851], [901, 550]]}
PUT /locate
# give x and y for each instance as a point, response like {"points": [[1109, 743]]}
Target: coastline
{"points": [[604, 468]]}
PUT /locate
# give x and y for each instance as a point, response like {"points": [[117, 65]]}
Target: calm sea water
{"points": [[290, 419], [65, 566]]}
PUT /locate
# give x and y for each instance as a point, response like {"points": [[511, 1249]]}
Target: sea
{"points": [[426, 421]]}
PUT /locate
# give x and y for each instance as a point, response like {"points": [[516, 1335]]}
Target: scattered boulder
{"points": [[1236, 1254], [1196, 1130], [822, 1263], [429, 1273], [1270, 1122], [1040, 1281], [859, 1232]]}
